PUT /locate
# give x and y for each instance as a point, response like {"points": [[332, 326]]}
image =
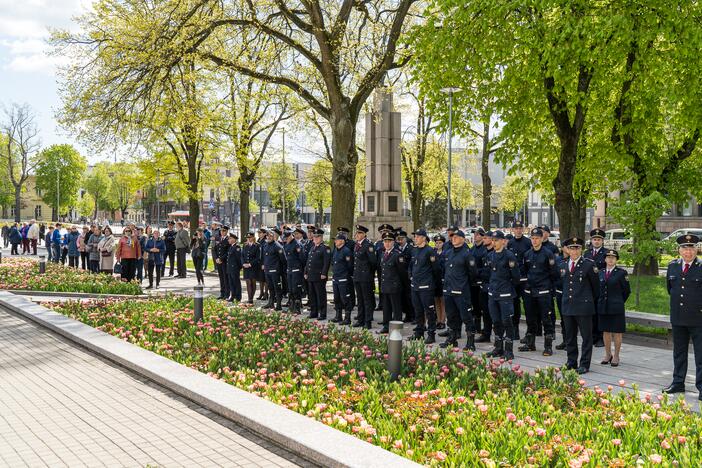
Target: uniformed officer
{"points": [[391, 264], [301, 237], [459, 273], [250, 258], [274, 269], [295, 258], [547, 244], [482, 246], [424, 275], [614, 291], [221, 255], [277, 235], [684, 281], [364, 267], [439, 249], [379, 250], [581, 289], [503, 279], [349, 243], [518, 244], [342, 276], [316, 272], [234, 268], [597, 253], [262, 234], [542, 274], [405, 249]]}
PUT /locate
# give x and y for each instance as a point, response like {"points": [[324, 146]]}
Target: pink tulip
{"points": [[617, 442]]}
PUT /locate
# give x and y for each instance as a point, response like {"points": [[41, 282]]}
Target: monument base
{"points": [[374, 222]]}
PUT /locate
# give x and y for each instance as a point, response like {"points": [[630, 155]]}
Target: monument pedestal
{"points": [[382, 197]]}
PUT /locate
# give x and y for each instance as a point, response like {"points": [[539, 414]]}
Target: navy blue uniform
{"points": [[441, 265], [519, 246], [342, 282], [251, 254], [480, 290], [502, 284], [598, 257], [548, 245], [234, 266], [391, 265], [459, 273], [316, 272], [365, 262], [406, 294], [424, 275], [274, 269], [296, 258], [542, 274], [614, 291], [222, 253], [379, 251], [581, 290], [685, 289]]}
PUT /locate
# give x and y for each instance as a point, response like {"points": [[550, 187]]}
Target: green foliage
{"points": [[86, 205], [98, 183], [317, 185], [60, 167], [281, 184], [512, 194], [125, 183]]}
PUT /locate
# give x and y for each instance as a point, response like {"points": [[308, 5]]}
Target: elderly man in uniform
{"points": [[342, 277], [581, 288], [379, 250], [518, 244], [597, 254], [295, 258], [503, 279], [424, 274], [316, 274], [684, 281], [364, 267]]}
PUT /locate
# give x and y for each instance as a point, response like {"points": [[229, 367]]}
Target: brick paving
{"points": [[62, 406]]}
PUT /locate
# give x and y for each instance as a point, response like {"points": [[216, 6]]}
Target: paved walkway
{"points": [[61, 406]]}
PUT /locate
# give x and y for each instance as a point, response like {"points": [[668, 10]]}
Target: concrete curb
{"points": [[299, 434], [24, 292]]}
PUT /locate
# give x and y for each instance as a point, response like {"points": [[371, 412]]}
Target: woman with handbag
{"points": [[127, 253], [106, 247]]}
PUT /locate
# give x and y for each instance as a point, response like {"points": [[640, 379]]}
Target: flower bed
{"points": [[446, 408], [23, 274]]}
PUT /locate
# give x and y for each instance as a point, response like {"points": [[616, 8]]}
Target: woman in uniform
{"points": [[614, 291]]}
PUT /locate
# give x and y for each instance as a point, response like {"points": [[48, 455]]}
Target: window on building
{"points": [[687, 208], [211, 194], [371, 203], [37, 211], [229, 172], [392, 203]]}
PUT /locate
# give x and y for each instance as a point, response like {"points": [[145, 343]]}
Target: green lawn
{"points": [[191, 266], [653, 296]]}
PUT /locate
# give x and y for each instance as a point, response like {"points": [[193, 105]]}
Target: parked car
{"points": [[617, 238], [683, 231], [555, 237]]}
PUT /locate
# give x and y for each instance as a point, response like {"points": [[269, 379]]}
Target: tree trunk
{"points": [[485, 174], [416, 203], [571, 219], [649, 266], [95, 210], [18, 202], [345, 158], [320, 214], [244, 213]]}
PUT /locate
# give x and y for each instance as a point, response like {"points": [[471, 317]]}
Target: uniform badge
{"points": [[348, 258], [432, 258], [551, 261], [280, 251], [563, 271], [471, 262], [370, 249], [626, 277], [595, 269], [298, 249], [401, 260], [512, 263]]}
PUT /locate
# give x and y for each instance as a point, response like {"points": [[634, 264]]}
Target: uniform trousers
{"points": [[234, 278], [424, 310], [392, 307], [342, 295], [501, 312], [223, 280], [296, 281], [596, 333], [539, 307], [170, 256], [459, 312], [318, 299], [406, 297], [521, 296], [275, 286], [681, 341], [573, 323], [483, 312], [366, 301]]}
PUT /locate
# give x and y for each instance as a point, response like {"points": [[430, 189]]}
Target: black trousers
{"points": [[483, 312], [275, 286], [234, 279], [681, 341], [14, 251], [318, 298], [342, 295], [459, 312], [199, 262], [596, 333], [366, 300], [583, 323], [539, 307], [392, 307], [150, 269], [94, 266], [73, 261], [128, 268], [84, 259], [181, 258], [501, 313], [424, 310], [517, 305], [223, 280], [170, 256], [295, 281]]}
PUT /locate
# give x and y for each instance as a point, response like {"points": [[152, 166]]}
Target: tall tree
{"points": [[59, 173], [125, 183], [282, 185], [21, 142], [513, 194], [331, 53], [98, 184], [317, 188]]}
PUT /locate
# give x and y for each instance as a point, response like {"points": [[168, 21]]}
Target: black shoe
{"points": [[599, 344], [148, 287], [470, 343], [368, 326], [674, 388], [529, 343], [440, 326], [582, 370], [561, 346], [378, 308], [548, 342], [498, 350], [383, 331], [570, 366], [416, 336], [408, 320], [430, 339], [445, 333], [357, 324], [346, 322], [322, 317], [313, 315], [335, 320], [483, 338], [700, 397]]}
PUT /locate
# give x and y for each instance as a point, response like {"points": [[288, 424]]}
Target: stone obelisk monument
{"points": [[382, 197]]}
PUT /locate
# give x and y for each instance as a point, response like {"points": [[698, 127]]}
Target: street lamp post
{"points": [[450, 92], [282, 189], [58, 199], [158, 204]]}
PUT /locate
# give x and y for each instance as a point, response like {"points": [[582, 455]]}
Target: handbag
{"points": [[118, 268]]}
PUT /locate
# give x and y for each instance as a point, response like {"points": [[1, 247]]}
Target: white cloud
{"points": [[38, 62]]}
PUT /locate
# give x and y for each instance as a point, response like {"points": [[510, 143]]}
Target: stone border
{"points": [[299, 434], [27, 292]]}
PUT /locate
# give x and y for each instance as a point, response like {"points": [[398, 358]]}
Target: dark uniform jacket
{"points": [[459, 272], [406, 252], [504, 275], [364, 261], [295, 257], [423, 269], [542, 272], [479, 253], [169, 238], [390, 267], [599, 259], [548, 245], [519, 247], [581, 288], [318, 261], [273, 258], [234, 259], [613, 292], [441, 265], [685, 293], [221, 250], [342, 265], [251, 254]]}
